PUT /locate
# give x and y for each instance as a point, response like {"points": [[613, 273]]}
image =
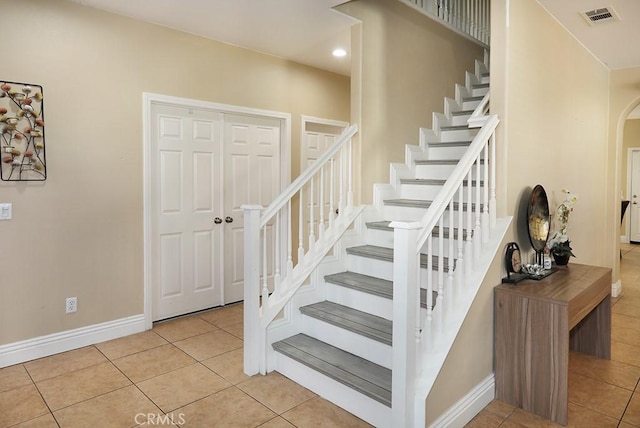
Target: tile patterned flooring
{"points": [[602, 393], [189, 371]]}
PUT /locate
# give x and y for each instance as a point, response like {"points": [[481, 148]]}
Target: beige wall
{"points": [[80, 232], [552, 97], [401, 83]]}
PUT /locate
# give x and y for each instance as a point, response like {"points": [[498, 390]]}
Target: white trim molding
{"points": [[150, 98], [468, 406], [43, 346], [616, 288]]}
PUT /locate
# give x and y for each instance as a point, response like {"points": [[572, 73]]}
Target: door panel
{"points": [[252, 158], [186, 253]]}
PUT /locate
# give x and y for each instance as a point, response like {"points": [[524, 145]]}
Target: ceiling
{"points": [[306, 31]]}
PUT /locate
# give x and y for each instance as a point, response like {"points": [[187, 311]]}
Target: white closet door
{"points": [[251, 176], [186, 200]]}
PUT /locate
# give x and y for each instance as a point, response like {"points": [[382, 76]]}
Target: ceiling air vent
{"points": [[600, 16]]}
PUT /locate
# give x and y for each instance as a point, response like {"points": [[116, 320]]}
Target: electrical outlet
{"points": [[72, 304]]}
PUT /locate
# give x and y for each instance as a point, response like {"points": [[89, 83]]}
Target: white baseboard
{"points": [[624, 239], [43, 346], [468, 406], [616, 288]]}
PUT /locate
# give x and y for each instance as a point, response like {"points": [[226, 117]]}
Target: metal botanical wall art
{"points": [[22, 132]]}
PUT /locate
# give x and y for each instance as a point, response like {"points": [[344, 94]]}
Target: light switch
{"points": [[5, 211]]}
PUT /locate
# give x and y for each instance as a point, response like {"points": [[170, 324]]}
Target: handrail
{"points": [[479, 117], [440, 203], [303, 178]]}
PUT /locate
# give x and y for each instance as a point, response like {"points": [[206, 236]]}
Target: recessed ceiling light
{"points": [[339, 52]]}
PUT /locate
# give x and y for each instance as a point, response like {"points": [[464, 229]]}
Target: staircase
{"points": [[334, 334]]}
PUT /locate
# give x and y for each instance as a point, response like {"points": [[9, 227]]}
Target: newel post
{"points": [[406, 304], [254, 340]]}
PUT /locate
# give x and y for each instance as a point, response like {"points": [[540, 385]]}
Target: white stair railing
{"points": [[464, 213], [321, 201], [469, 17]]}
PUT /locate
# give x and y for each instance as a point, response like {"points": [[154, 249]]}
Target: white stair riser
{"points": [[349, 341], [476, 92], [470, 104], [375, 305], [367, 409], [402, 213], [441, 172], [458, 135], [437, 152], [426, 192], [457, 120], [383, 238]]}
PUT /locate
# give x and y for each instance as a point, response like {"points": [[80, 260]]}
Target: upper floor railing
{"points": [[469, 17]]}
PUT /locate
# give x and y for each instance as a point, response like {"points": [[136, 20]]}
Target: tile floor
{"points": [[602, 393], [189, 371]]}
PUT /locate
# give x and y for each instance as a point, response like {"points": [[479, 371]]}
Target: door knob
{"points": [[228, 219], [217, 220]]}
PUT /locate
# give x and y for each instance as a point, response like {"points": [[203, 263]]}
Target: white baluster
{"points": [[470, 233], [301, 227], [492, 188], [477, 231], [289, 240], [430, 276], [265, 286], [321, 206], [277, 257], [440, 259], [312, 226], [451, 256], [460, 262], [349, 148], [485, 196], [332, 207]]}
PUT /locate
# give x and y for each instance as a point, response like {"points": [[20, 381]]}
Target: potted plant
{"points": [[559, 245]]}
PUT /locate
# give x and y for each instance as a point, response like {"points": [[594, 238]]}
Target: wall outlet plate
{"points": [[71, 304], [5, 211]]}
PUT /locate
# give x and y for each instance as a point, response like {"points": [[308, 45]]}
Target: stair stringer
{"points": [[439, 334]]}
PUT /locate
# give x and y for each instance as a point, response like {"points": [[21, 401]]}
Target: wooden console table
{"points": [[536, 323]]}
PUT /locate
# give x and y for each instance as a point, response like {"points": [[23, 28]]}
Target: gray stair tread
{"points": [[462, 112], [365, 283], [420, 203], [455, 128], [384, 225], [478, 98], [386, 254], [371, 285], [425, 181], [441, 162], [449, 143], [438, 162], [355, 372], [363, 323], [480, 85], [431, 181]]}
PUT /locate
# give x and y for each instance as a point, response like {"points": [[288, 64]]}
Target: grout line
{"points": [[628, 402]]}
